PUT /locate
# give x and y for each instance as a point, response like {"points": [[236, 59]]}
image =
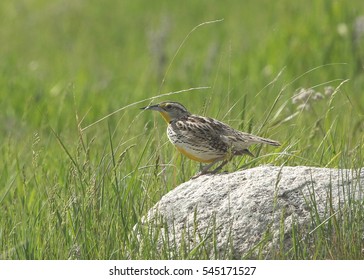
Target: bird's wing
{"points": [[231, 136], [198, 128]]}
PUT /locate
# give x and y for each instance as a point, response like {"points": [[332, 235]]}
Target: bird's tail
{"points": [[267, 141]]}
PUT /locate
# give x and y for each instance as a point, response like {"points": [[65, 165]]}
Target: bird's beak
{"points": [[152, 107]]}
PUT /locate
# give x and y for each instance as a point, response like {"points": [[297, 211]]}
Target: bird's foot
{"points": [[205, 170], [213, 172], [198, 174]]}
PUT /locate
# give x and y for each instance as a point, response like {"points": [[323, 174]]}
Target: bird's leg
{"points": [[205, 169], [201, 166], [220, 166], [226, 160]]}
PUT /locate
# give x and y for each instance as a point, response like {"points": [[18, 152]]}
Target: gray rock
{"points": [[240, 214]]}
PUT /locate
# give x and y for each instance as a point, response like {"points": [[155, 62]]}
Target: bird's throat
{"points": [[166, 117]]}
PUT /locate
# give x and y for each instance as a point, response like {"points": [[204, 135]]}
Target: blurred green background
{"points": [[66, 64], [111, 54]]}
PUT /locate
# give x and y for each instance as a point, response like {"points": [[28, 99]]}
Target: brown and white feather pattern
{"points": [[210, 137]]}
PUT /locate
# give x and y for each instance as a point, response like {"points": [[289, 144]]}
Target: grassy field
{"points": [[74, 183]]}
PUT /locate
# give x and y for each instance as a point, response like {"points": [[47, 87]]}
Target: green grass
{"points": [[68, 192]]}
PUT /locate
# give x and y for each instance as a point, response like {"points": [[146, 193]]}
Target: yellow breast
{"points": [[194, 156]]}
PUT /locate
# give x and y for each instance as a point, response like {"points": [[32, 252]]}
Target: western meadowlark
{"points": [[204, 139]]}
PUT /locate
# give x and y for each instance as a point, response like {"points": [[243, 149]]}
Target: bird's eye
{"points": [[169, 106]]}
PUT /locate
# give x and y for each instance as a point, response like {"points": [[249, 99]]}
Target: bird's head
{"points": [[169, 110]]}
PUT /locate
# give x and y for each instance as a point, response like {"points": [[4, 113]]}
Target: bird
{"points": [[205, 139]]}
